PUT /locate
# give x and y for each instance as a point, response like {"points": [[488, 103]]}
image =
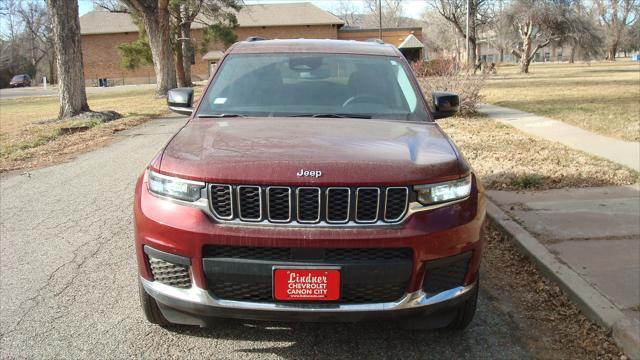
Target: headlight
{"points": [[176, 188], [443, 192]]}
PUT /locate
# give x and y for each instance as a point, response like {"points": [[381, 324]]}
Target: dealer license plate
{"points": [[300, 284]]}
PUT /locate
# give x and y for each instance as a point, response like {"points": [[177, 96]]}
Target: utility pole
{"points": [[380, 19], [467, 36]]}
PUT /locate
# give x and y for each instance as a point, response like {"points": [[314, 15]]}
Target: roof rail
{"points": [[375, 40], [254, 38]]}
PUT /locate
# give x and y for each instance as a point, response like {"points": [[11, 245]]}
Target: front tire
{"points": [[150, 308], [456, 319], [465, 312]]}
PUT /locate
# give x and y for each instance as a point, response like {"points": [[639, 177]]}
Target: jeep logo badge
{"points": [[309, 173]]}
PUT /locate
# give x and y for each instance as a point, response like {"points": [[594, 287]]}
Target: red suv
{"points": [[310, 183]]}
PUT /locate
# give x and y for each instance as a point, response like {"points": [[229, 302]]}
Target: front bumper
{"points": [[186, 232], [193, 306]]}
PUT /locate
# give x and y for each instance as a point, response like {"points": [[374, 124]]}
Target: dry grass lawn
{"points": [[29, 137], [508, 159], [602, 97]]}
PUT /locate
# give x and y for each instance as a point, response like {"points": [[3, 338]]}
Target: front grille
{"points": [[221, 200], [371, 293], [368, 275], [242, 291], [170, 273], [279, 199], [284, 254], [447, 273], [351, 294], [309, 205], [249, 203]]}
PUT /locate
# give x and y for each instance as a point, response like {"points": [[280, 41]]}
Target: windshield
{"points": [[18, 77], [319, 85]]}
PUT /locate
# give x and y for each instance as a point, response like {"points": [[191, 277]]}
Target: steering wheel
{"points": [[359, 98]]}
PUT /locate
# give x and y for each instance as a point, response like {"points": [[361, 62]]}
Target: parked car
{"points": [[20, 81], [310, 183]]}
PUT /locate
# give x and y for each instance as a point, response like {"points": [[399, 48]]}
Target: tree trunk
{"points": [[501, 55], [525, 59], [187, 49], [156, 24], [180, 66], [52, 66], [612, 50], [66, 34], [572, 54]]}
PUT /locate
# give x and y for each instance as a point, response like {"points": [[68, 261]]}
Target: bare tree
{"points": [[615, 16], [581, 33], [5, 7], [186, 12], [391, 13], [347, 11], [440, 35], [630, 40], [538, 23], [66, 35], [454, 11], [156, 21], [499, 31], [38, 32]]}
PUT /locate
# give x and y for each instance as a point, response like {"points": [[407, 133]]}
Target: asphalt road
{"points": [[68, 281], [37, 91]]}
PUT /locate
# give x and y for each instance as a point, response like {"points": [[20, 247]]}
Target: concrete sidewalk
{"points": [[596, 233], [622, 152]]}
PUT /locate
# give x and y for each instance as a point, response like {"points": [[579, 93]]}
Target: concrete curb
{"points": [[594, 305]]}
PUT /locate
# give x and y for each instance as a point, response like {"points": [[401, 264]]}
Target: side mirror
{"points": [[445, 104], [180, 100]]}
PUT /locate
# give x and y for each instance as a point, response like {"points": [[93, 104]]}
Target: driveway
{"points": [[68, 281]]}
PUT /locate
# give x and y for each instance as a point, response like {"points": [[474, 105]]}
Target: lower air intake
{"points": [[169, 273]]}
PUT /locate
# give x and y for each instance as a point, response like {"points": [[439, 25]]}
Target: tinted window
{"points": [[300, 84]]}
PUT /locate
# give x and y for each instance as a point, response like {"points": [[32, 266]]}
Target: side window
{"points": [[405, 86]]}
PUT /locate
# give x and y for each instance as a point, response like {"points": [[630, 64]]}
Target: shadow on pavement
{"points": [[491, 334]]}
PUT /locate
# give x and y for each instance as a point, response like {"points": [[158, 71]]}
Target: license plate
{"points": [[295, 284]]}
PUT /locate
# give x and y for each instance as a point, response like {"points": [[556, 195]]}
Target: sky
{"points": [[411, 8]]}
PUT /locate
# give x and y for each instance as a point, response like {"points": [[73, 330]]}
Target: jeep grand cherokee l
{"points": [[310, 183]]}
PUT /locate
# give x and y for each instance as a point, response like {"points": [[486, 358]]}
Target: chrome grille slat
{"points": [[308, 204], [337, 206], [221, 198], [279, 203], [366, 211], [395, 204], [249, 202]]}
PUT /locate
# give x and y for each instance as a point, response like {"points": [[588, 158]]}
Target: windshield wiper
{"points": [[329, 115], [220, 115]]}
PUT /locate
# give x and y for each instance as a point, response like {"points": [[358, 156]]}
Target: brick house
{"points": [[102, 32]]}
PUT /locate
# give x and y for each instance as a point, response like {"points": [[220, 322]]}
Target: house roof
{"points": [[213, 55], [410, 42], [291, 14]]}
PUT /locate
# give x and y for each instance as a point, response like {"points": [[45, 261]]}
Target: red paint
{"points": [[349, 152], [432, 234]]}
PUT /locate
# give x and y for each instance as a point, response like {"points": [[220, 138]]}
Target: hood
{"points": [[272, 151]]}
